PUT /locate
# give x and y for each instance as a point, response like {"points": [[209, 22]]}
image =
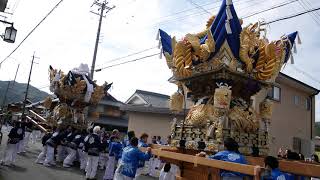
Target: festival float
{"points": [[220, 69], [75, 91]]}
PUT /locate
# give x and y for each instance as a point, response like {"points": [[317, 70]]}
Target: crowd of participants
{"points": [[90, 150], [121, 158]]}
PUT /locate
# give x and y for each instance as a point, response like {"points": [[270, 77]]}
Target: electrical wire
{"points": [[15, 49], [137, 59], [316, 20], [268, 9], [292, 16], [305, 73], [270, 22], [309, 3], [199, 7], [119, 58]]}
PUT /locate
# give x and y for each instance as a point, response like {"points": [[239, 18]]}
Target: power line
{"points": [[306, 74], [31, 31], [199, 7], [312, 15], [119, 58], [292, 16], [276, 20], [268, 9], [138, 59]]}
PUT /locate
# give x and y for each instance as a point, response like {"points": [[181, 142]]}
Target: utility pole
{"points": [[8, 87], [102, 7], [26, 95]]}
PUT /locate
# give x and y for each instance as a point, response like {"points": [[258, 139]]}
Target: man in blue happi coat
{"points": [[129, 162], [273, 172], [231, 154], [115, 148]]}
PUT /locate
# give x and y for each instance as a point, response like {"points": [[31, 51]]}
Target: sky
{"points": [[67, 37]]}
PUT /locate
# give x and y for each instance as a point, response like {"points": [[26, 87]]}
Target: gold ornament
{"points": [[222, 96], [176, 102], [265, 108]]}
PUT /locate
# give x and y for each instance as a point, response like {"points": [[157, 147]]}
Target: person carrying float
{"points": [[14, 137], [72, 147], [62, 146], [272, 169], [51, 144], [129, 162], [115, 148], [143, 167], [231, 154], [93, 148], [42, 155]]}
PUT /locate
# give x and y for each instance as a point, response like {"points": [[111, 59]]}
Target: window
{"points": [[308, 104], [296, 144], [296, 100], [275, 93]]}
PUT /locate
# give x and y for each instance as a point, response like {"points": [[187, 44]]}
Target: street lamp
{"points": [[10, 34]]}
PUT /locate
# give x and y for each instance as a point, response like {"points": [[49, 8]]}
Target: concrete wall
{"points": [[289, 120], [150, 123]]}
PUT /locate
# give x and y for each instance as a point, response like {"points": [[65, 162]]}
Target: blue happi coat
{"points": [[276, 174], [142, 144], [230, 156], [115, 149], [130, 160]]}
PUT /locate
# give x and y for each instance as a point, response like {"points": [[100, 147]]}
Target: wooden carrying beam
{"points": [[38, 116], [38, 125], [245, 169], [293, 167]]}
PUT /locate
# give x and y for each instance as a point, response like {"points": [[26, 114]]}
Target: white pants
{"points": [[110, 168], [119, 176], [10, 154], [103, 158], [49, 157], [61, 153], [35, 136], [154, 163], [20, 146], [82, 159], [143, 170], [92, 165], [68, 161], [26, 140], [167, 175], [42, 155], [86, 158]]}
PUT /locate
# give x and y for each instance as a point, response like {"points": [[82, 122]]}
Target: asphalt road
{"points": [[26, 169]]}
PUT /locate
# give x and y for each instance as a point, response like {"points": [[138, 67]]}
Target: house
{"points": [[292, 124], [149, 113], [110, 115], [293, 118]]}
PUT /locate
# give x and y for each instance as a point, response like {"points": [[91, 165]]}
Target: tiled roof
{"points": [[154, 99], [149, 109], [113, 121]]}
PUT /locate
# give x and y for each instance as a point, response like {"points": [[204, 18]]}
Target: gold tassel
{"points": [[158, 35], [299, 40], [294, 48], [229, 14], [228, 28]]}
